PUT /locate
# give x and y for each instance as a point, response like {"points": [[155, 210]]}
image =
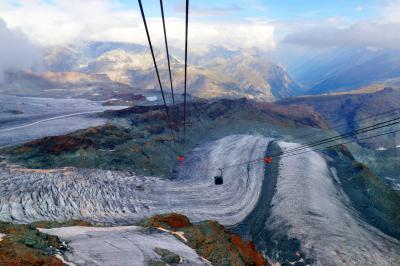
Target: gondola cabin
{"points": [[219, 179]]}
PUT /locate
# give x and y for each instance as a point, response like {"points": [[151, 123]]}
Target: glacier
{"points": [[308, 203]]}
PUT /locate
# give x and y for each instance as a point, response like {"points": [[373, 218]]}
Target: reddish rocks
{"points": [[248, 250], [169, 221], [211, 240]]}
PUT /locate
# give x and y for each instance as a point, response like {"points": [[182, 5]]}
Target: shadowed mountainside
{"points": [[136, 139], [345, 69], [347, 112]]}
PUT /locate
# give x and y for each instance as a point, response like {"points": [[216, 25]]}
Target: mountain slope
{"points": [[348, 68], [216, 73], [349, 111]]}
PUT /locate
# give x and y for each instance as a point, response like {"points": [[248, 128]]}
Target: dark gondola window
{"points": [[218, 180]]}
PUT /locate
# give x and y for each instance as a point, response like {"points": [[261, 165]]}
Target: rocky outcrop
{"points": [[210, 239], [24, 245]]}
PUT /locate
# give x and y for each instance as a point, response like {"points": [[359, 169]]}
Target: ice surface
{"points": [[125, 245], [26, 118], [311, 204], [123, 198], [308, 203]]}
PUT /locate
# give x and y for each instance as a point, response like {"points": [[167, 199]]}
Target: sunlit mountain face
{"points": [[273, 141], [216, 73]]}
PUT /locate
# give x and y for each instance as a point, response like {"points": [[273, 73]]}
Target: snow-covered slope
{"points": [[310, 206]]}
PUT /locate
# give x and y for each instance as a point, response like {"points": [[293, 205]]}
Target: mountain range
{"points": [[215, 73], [349, 111], [346, 69]]}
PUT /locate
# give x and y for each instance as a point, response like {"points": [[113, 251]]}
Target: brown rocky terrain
{"points": [[210, 239]]}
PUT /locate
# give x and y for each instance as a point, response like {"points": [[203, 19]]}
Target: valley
{"points": [[180, 133], [23, 118], [86, 152], [124, 171]]}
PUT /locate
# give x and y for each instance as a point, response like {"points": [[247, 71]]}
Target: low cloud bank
{"points": [[16, 51], [64, 22], [362, 34]]}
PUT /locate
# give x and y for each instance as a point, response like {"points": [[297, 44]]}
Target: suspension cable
{"points": [[167, 50], [343, 125], [306, 150], [298, 150], [283, 155], [349, 134], [155, 65], [185, 86]]}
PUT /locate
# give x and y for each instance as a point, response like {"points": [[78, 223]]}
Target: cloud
{"points": [[16, 51], [380, 32], [63, 22], [390, 11], [208, 11], [361, 34]]}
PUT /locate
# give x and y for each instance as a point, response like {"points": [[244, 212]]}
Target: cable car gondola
{"points": [[219, 179]]}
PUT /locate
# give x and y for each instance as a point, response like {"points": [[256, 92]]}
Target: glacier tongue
{"points": [[123, 245], [311, 206], [121, 198]]}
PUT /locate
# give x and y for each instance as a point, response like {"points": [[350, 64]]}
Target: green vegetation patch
{"points": [[55, 224], [138, 139], [25, 245], [167, 256]]}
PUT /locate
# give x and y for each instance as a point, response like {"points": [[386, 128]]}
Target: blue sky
{"points": [[265, 24], [266, 9], [287, 27]]}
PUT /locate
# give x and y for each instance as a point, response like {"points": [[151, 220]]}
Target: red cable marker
{"points": [[268, 160], [181, 158]]}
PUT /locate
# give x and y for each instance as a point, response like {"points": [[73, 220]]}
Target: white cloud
{"points": [[64, 21], [16, 51], [379, 32], [390, 12], [361, 34], [67, 21], [208, 11]]}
